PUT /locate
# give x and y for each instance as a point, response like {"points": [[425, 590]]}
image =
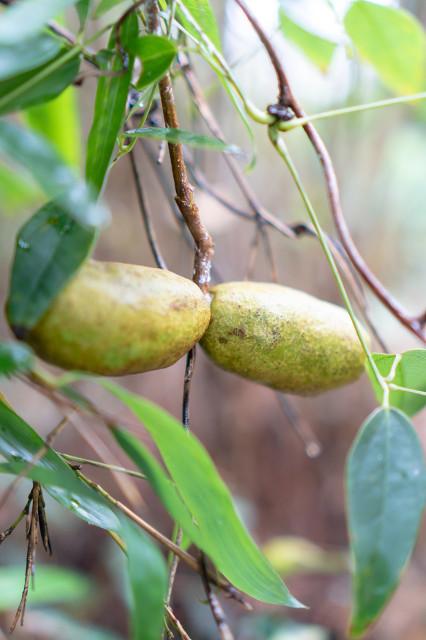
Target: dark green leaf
{"points": [[37, 85], [318, 49], [25, 18], [83, 8], [27, 55], [148, 577], [57, 179], [54, 584], [50, 248], [156, 54], [392, 40], [15, 358], [110, 105], [386, 481], [408, 371], [220, 531], [180, 136], [199, 18], [148, 580]]}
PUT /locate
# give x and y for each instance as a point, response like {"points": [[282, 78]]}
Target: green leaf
{"points": [[147, 573], [22, 56], [17, 190], [57, 179], [38, 85], [386, 478], [48, 120], [148, 580], [15, 358], [83, 8], [318, 49], [25, 18], [201, 19], [392, 41], [409, 371], [219, 530], [110, 105], [104, 6], [50, 248], [54, 585], [180, 136], [156, 54]]}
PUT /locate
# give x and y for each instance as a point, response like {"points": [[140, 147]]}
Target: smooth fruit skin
{"points": [[281, 337], [114, 319]]}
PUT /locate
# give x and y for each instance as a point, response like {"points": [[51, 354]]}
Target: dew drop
{"points": [[22, 244]]}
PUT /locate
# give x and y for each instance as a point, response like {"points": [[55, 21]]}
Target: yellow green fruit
{"points": [[281, 337], [114, 319]]}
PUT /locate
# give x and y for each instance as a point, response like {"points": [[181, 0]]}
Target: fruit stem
{"points": [[281, 148]]}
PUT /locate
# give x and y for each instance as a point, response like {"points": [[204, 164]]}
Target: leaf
{"points": [[18, 444], [25, 18], [110, 105], [104, 6], [17, 191], [148, 580], [392, 41], [15, 358], [30, 54], [38, 85], [218, 530], [56, 624], [409, 372], [180, 136], [50, 248], [57, 179], [318, 49], [54, 584], [83, 8], [385, 479], [48, 120], [156, 54], [203, 20]]}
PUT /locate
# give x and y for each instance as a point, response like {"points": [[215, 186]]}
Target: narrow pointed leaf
{"points": [[202, 20], [386, 483], [180, 136], [110, 105], [318, 49], [208, 500]]}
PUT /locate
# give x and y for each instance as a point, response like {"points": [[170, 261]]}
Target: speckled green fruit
{"points": [[114, 319], [281, 337]]}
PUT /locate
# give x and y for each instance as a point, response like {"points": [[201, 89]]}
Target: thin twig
{"points": [[288, 100], [103, 465], [183, 634], [144, 209], [214, 604]]}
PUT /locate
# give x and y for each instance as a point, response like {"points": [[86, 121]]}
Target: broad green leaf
{"points": [[386, 481], [48, 120], [392, 41], [38, 85], [201, 19], [180, 136], [25, 18], [50, 248], [54, 585], [318, 49], [148, 580], [17, 190], [15, 357], [56, 178], [221, 533], [109, 112], [22, 56], [409, 372], [156, 54]]}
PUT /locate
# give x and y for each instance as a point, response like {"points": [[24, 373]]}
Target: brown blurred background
{"points": [[279, 488]]}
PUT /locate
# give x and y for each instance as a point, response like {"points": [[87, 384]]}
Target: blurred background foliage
{"points": [[286, 474]]}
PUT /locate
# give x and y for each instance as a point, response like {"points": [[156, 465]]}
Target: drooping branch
{"points": [[414, 324]]}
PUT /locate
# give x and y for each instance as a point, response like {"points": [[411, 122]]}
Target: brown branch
{"points": [[214, 604], [204, 247], [414, 324], [176, 623]]}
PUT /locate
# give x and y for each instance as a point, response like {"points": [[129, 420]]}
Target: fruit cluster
{"points": [[115, 319]]}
